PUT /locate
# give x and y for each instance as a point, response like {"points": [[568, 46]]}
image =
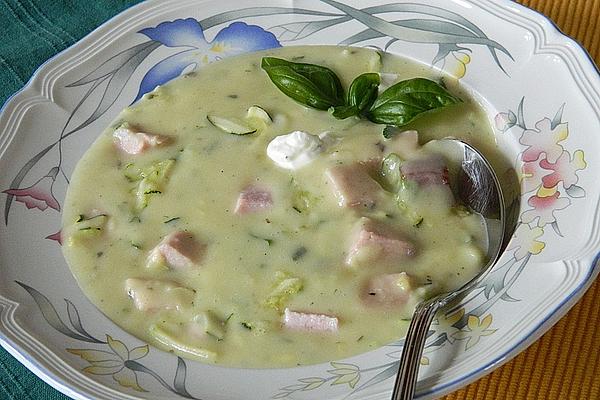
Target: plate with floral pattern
{"points": [[539, 88]]}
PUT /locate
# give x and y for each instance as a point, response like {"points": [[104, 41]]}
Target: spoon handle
{"points": [[406, 380]]}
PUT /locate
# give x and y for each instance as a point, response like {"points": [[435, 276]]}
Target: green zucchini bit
{"points": [[285, 287], [231, 125], [390, 173], [152, 181], [406, 198], [85, 228], [257, 118], [302, 200], [132, 173], [257, 328], [257, 115]]}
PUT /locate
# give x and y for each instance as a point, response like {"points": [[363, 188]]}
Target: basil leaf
{"points": [[323, 77], [363, 91], [361, 95], [401, 103], [311, 85], [343, 112]]}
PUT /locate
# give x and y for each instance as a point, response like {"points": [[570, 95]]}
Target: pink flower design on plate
{"points": [[56, 237], [544, 208], [565, 169], [505, 120], [39, 195], [532, 175], [544, 139]]}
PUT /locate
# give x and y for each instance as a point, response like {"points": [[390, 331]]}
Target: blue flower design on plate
{"points": [[188, 35]]}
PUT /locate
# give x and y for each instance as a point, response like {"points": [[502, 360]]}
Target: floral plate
{"points": [[542, 94]]}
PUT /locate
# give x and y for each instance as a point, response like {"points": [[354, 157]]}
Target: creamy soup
{"points": [[219, 219]]}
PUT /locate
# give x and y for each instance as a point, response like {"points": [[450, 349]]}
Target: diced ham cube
{"points": [[374, 241], [253, 199], [177, 250], [372, 165], [132, 142], [405, 144], [353, 186], [309, 322], [388, 290], [155, 295], [429, 170]]}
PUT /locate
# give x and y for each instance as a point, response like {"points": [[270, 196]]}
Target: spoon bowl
{"points": [[479, 189]]}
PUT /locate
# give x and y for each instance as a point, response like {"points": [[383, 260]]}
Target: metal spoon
{"points": [[479, 189]]}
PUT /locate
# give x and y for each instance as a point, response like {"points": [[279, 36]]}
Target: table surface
{"points": [[563, 365]]}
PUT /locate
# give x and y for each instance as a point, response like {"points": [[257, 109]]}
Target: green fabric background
{"points": [[32, 32]]}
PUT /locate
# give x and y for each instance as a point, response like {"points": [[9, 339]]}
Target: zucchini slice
{"points": [[229, 125], [258, 113]]}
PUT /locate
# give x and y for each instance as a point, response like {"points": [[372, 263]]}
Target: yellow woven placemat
{"points": [[565, 363]]}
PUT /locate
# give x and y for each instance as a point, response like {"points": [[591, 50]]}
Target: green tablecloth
{"points": [[32, 32]]}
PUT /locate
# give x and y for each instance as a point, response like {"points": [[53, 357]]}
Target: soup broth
{"points": [[222, 248]]}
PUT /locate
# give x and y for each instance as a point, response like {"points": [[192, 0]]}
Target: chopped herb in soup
{"points": [[235, 216]]}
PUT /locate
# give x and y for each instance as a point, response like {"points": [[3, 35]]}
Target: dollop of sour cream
{"points": [[296, 149]]}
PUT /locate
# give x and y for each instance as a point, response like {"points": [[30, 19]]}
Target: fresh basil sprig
{"points": [[309, 84], [319, 87], [401, 103], [361, 95]]}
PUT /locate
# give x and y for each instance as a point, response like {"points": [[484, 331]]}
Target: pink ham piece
{"points": [[353, 186], [388, 290], [253, 199], [132, 142], [375, 241], [309, 322], [371, 166], [177, 250], [429, 170]]}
